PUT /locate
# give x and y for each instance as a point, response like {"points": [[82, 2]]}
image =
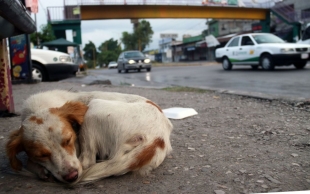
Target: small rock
{"points": [[242, 171], [295, 164], [271, 179], [201, 156], [100, 186], [204, 170], [265, 186], [169, 156], [228, 172], [219, 192], [169, 172], [192, 149], [146, 182], [260, 181], [294, 155], [237, 180], [308, 180], [1, 137]]}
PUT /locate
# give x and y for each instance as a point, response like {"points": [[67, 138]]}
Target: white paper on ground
{"points": [[179, 112]]}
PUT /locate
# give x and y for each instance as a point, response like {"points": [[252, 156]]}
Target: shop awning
{"points": [[59, 42]]}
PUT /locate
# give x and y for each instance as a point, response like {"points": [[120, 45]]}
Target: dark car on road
{"points": [[133, 60]]}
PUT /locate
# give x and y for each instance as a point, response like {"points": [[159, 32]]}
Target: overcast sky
{"points": [[99, 31]]}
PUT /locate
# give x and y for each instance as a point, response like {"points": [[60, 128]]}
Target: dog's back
{"points": [[57, 98]]}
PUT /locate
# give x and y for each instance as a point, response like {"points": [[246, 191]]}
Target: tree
{"points": [[109, 51], [90, 54], [140, 38], [44, 35]]}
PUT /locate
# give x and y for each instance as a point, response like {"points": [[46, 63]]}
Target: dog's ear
{"points": [[72, 111], [13, 147]]}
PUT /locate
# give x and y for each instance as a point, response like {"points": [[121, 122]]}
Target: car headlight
{"points": [[286, 50], [65, 59], [147, 60], [131, 61]]}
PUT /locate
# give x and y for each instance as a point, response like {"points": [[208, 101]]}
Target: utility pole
{"points": [[208, 50], [94, 57]]}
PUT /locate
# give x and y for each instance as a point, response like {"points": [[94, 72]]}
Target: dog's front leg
{"points": [[87, 152], [40, 171]]}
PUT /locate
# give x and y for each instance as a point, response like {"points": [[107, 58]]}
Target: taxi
{"points": [[262, 49]]}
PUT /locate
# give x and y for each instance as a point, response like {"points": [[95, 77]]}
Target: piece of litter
{"points": [[179, 113]]}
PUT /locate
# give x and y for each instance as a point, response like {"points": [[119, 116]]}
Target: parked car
{"points": [[133, 60], [262, 49], [112, 64], [50, 65]]}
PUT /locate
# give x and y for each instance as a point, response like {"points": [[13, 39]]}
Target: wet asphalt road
{"points": [[283, 81]]}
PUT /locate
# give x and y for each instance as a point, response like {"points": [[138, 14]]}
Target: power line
{"points": [[43, 8]]}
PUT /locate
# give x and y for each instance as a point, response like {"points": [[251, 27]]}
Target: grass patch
{"points": [[184, 89]]}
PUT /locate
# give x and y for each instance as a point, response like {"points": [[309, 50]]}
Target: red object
{"points": [[6, 95]]}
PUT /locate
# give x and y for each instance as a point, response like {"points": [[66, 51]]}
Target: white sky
{"points": [[99, 31]]}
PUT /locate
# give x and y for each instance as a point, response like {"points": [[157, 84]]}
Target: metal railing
{"points": [[69, 12], [265, 5], [288, 12], [71, 9]]}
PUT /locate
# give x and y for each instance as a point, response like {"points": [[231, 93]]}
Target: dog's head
{"points": [[48, 138]]}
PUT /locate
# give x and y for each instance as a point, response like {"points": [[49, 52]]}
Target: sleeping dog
{"points": [[117, 133]]}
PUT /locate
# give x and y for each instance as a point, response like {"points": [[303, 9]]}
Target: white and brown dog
{"points": [[118, 133]]}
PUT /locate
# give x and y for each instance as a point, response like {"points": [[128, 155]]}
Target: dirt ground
{"points": [[234, 145]]}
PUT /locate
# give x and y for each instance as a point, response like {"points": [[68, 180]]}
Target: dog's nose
{"points": [[72, 176]]}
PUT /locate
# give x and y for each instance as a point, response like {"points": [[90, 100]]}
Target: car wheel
{"points": [[300, 65], [254, 67], [139, 70], [38, 73], [226, 64], [266, 62], [148, 69]]}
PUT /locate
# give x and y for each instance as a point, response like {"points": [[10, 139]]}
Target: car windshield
{"points": [[112, 62], [133, 54], [267, 38]]}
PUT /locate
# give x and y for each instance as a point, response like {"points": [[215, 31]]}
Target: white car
{"points": [[262, 49], [112, 64], [50, 65]]}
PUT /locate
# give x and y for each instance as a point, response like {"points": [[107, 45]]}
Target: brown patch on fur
{"points": [[146, 155], [69, 113], [13, 147], [68, 137], [152, 103], [37, 150], [72, 111], [50, 129], [39, 121]]}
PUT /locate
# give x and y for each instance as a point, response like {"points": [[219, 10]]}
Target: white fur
{"points": [[109, 125]]}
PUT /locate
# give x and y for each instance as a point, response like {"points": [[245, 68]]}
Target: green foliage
{"points": [[44, 35], [140, 38], [90, 54], [109, 51]]}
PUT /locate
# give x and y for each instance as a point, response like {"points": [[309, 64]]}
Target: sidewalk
{"points": [[234, 145]]}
